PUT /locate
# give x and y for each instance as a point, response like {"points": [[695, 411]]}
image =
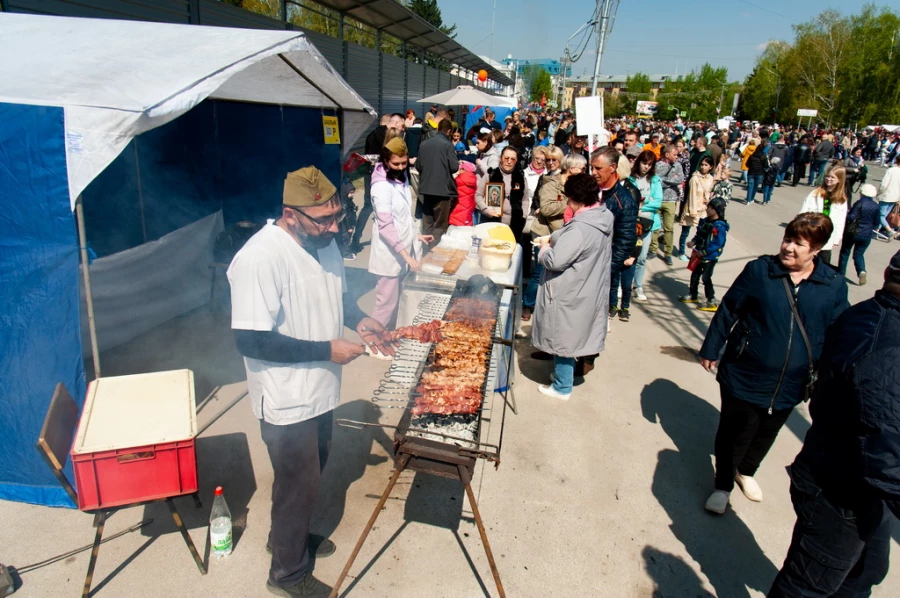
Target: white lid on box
{"points": [[131, 411]]}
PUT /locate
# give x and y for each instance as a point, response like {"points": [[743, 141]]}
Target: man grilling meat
{"points": [[288, 312]]}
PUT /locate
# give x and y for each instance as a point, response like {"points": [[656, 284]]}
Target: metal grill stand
{"points": [[427, 450]]}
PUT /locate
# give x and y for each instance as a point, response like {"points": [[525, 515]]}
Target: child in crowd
{"points": [[458, 144], [709, 242], [464, 204]]}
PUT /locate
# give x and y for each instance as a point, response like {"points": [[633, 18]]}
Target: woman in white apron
{"points": [[394, 236]]}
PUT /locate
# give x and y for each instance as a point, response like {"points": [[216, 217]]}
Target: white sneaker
{"points": [[717, 502], [376, 355], [546, 389], [749, 487], [639, 295]]}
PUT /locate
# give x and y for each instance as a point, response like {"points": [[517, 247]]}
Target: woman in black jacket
{"points": [[765, 369], [757, 164]]}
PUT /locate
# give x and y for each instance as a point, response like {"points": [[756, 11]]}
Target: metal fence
{"points": [[389, 83]]}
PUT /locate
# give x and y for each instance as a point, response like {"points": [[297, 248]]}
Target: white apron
{"points": [[393, 197], [277, 285]]}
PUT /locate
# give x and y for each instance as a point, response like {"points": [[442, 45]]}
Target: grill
{"points": [[443, 445]]}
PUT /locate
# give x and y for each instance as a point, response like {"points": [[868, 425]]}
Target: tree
{"points": [[638, 83], [847, 68], [540, 85], [431, 12]]}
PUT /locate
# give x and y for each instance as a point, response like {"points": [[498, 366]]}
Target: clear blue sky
{"points": [[653, 36]]}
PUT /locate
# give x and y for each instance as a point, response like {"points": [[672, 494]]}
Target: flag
{"points": [[543, 100]]}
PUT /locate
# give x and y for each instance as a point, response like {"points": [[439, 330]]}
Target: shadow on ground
{"points": [[672, 577], [724, 547]]}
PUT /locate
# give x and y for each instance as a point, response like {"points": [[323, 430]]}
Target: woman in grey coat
{"points": [[574, 290]]}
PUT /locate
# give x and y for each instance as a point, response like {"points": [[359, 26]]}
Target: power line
{"points": [[767, 10]]}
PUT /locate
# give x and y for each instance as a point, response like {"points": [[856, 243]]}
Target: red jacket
{"points": [[466, 183]]}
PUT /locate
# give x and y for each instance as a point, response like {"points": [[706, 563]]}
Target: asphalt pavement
{"points": [[598, 496]]}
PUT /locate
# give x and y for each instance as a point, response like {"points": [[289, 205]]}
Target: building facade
{"points": [[577, 87]]}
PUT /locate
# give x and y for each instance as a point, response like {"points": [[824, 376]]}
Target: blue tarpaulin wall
{"points": [[40, 332], [476, 113], [220, 155]]}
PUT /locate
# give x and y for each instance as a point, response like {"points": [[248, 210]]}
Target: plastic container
{"points": [[496, 255], [135, 440], [220, 538]]}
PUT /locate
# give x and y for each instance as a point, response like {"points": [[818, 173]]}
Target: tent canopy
{"points": [[466, 95], [118, 79], [161, 129]]}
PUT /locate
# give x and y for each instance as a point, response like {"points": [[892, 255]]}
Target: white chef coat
{"points": [[277, 285], [393, 197]]}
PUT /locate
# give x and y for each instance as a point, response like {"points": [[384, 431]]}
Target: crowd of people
{"points": [[588, 220]]}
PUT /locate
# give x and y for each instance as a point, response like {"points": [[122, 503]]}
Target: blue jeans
{"points": [[531, 290], [682, 241], [619, 274], [767, 193], [779, 178], [754, 181], [563, 374], [859, 246], [814, 169], [641, 263], [835, 551], [884, 208]]}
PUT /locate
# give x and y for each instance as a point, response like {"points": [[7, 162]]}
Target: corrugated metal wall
{"points": [[388, 83]]}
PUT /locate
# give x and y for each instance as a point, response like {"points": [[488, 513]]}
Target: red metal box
{"points": [[135, 440]]}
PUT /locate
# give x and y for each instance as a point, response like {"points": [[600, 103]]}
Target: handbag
{"points": [[812, 376], [852, 227], [694, 261], [893, 218]]}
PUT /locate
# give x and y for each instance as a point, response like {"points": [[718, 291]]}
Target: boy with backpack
{"points": [[709, 243]]}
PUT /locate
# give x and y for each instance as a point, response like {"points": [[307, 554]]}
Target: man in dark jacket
{"points": [[621, 198], [821, 155], [802, 156], [437, 163], [845, 483], [780, 151]]}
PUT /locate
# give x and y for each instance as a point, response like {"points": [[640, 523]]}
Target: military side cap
{"points": [[307, 187]]}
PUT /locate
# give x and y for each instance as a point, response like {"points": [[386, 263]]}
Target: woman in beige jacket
{"points": [[699, 194]]}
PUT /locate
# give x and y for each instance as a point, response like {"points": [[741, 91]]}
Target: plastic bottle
{"points": [[220, 526]]}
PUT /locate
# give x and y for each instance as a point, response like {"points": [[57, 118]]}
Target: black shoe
{"points": [[321, 546], [668, 260], [689, 299], [612, 312], [350, 256], [623, 314], [355, 248], [308, 587], [541, 356]]}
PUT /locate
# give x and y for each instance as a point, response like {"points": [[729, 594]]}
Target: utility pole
{"points": [[604, 9]]}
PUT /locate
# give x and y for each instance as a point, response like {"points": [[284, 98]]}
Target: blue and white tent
{"points": [[160, 133]]}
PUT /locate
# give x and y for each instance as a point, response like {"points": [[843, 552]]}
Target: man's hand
{"points": [[343, 351], [494, 212], [690, 244], [629, 261], [708, 364], [371, 331]]}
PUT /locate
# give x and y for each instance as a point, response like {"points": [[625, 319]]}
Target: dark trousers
{"points": [[858, 246], [799, 173], [620, 275], [835, 551], [435, 216], [298, 453], [745, 435], [364, 214], [703, 270]]}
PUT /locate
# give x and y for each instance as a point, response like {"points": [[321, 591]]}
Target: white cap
{"points": [[868, 190]]}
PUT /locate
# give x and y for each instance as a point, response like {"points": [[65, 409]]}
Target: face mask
{"points": [[395, 175]]}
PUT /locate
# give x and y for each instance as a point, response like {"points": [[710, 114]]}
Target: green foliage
{"points": [[638, 83], [846, 67], [269, 8], [431, 12], [539, 85]]}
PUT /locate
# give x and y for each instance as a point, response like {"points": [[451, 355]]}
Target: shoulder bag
{"points": [[812, 376]]}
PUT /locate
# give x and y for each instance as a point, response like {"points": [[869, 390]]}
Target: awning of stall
{"points": [[118, 79], [396, 20]]}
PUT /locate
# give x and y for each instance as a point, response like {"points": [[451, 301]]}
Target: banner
{"points": [[644, 107]]}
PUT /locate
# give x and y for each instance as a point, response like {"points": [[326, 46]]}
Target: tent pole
{"points": [[88, 291]]}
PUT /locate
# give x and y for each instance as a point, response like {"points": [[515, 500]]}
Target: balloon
{"points": [[482, 75]]}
